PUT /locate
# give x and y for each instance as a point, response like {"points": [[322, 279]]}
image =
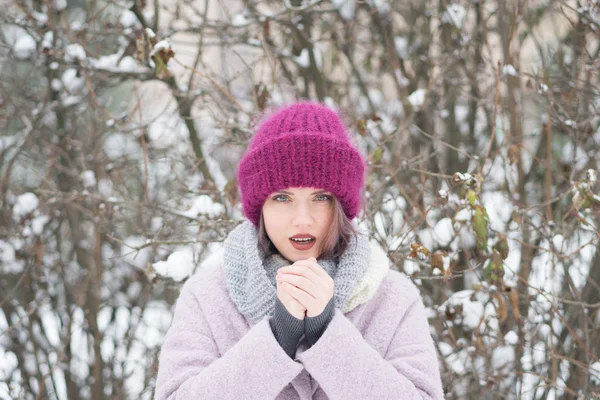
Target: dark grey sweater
{"points": [[288, 330]]}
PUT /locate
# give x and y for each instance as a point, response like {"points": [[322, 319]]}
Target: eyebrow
{"points": [[286, 192]]}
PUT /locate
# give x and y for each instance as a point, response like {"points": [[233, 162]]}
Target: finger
{"points": [[299, 295], [308, 268], [315, 267], [310, 264], [307, 262], [300, 282], [300, 270]]}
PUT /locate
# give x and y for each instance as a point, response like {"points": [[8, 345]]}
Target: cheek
{"points": [[327, 213], [326, 218], [272, 220]]}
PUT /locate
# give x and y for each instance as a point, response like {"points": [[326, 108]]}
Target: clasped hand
{"points": [[306, 287]]}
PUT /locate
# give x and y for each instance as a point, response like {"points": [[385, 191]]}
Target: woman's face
{"points": [[297, 220]]}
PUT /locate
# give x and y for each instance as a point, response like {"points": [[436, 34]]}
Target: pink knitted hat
{"points": [[301, 145]]}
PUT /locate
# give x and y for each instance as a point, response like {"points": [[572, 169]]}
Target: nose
{"points": [[302, 215]]}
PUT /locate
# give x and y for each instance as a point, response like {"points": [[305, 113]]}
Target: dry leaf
{"points": [[513, 295], [502, 310]]}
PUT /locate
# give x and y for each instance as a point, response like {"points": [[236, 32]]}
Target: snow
{"points": [[303, 59], [254, 42], [373, 129], [8, 362], [401, 44], [79, 345], [410, 267], [118, 145], [574, 155], [179, 265], [74, 52], [155, 224], [443, 232], [417, 98], [391, 203], [383, 6], [592, 176], [455, 14], [8, 141], [499, 209], [129, 20], [150, 33], [128, 64], [558, 241], [511, 338], [446, 263], [464, 215], [212, 164], [50, 323], [204, 205], [463, 177], [38, 223], [25, 204], [380, 224], [60, 5], [56, 84], [111, 63], [472, 310], [345, 7], [8, 261], [150, 329], [167, 130], [89, 178], [162, 45], [425, 237], [59, 382], [72, 82], [508, 69], [239, 20], [466, 239], [503, 357], [595, 373], [216, 250], [457, 360], [139, 258], [24, 47]]}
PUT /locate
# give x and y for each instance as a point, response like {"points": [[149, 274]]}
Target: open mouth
{"points": [[303, 242]]}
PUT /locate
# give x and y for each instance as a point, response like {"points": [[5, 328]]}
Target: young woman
{"points": [[301, 306]]}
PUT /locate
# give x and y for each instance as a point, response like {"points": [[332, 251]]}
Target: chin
{"points": [[297, 256]]}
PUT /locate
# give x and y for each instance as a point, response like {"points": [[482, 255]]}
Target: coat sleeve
{"points": [[191, 367], [347, 367]]}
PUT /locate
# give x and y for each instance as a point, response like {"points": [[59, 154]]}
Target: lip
{"points": [[303, 236], [302, 246]]}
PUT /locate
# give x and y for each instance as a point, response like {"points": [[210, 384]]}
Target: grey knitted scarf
{"points": [[251, 278]]}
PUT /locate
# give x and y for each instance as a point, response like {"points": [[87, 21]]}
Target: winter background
{"points": [[121, 124]]}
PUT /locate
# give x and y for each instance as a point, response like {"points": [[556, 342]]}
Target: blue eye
{"points": [[323, 197], [279, 197]]}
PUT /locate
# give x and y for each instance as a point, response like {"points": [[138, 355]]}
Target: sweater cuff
{"points": [[286, 328], [315, 326]]}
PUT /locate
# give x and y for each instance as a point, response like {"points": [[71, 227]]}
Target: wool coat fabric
{"points": [[381, 349]]}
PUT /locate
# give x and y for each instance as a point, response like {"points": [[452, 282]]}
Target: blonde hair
{"points": [[335, 242]]}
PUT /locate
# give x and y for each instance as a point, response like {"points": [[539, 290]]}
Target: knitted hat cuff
{"points": [[290, 160]]}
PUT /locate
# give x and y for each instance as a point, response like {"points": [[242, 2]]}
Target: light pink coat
{"points": [[380, 350]]}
